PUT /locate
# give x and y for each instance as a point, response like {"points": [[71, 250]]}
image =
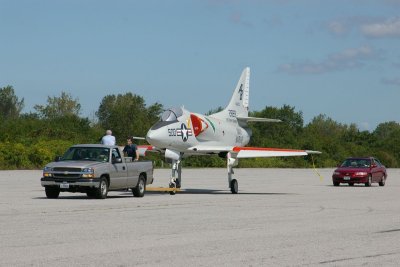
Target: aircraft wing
{"points": [[254, 152], [265, 152]]}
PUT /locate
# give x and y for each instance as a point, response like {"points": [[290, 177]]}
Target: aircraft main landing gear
{"points": [[231, 162], [234, 186]]}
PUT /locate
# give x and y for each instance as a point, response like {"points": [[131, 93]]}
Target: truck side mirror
{"points": [[57, 158], [117, 160]]}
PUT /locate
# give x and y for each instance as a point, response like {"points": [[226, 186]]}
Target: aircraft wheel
{"points": [[172, 192], [234, 186]]}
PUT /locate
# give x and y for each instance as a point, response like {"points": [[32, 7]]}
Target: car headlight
{"points": [[361, 173], [336, 173], [47, 172], [88, 173]]}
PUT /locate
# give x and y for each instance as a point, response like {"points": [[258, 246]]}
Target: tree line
{"points": [[30, 140]]}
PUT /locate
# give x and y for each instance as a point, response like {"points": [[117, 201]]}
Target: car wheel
{"points": [[351, 184], [52, 191], [102, 190], [383, 181], [336, 183], [369, 183], [140, 188]]}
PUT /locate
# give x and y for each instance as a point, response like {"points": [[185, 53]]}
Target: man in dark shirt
{"points": [[131, 149]]}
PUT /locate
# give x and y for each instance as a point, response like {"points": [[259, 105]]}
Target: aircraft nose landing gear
{"points": [[175, 182]]}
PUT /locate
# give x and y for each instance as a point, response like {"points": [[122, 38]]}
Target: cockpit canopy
{"points": [[171, 114]]}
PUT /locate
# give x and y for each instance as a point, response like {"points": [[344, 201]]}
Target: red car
{"points": [[360, 171]]}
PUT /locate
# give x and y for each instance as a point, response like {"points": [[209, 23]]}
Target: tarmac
{"points": [[281, 217]]}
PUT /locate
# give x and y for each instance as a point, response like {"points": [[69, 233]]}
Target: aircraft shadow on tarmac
{"points": [[190, 191]]}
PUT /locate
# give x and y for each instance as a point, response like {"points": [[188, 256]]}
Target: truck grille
{"points": [[66, 173]]}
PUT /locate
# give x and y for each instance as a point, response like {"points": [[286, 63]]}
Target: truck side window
{"points": [[115, 154]]}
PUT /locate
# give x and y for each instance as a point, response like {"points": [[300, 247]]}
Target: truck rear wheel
{"points": [[52, 191], [140, 188]]}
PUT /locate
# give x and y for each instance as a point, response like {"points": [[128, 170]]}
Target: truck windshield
{"points": [[87, 154]]}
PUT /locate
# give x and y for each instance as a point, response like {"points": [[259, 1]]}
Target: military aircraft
{"points": [[181, 133]]}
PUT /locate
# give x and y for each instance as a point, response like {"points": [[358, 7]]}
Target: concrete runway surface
{"points": [[281, 217]]}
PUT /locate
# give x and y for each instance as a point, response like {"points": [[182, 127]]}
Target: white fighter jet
{"points": [[181, 133]]}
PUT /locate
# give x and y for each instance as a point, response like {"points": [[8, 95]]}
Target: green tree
{"points": [[10, 105], [215, 110], [387, 143], [57, 107], [280, 134], [127, 115]]}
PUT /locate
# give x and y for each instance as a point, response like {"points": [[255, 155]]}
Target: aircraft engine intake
{"points": [[199, 125]]}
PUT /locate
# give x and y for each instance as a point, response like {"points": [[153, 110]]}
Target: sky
{"points": [[340, 58]]}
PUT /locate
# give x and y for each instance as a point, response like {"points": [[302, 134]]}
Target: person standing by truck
{"points": [[131, 149], [108, 139]]}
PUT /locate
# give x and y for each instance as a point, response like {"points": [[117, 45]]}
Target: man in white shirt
{"points": [[108, 139]]}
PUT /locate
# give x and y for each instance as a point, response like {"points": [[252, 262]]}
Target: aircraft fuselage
{"points": [[182, 131]]}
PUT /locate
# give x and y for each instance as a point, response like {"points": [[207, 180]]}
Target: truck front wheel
{"points": [[52, 191], [102, 190], [138, 191]]}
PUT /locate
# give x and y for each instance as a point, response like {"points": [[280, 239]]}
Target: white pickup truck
{"points": [[95, 169]]}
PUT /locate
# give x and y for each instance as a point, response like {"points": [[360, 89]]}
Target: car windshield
{"points": [[171, 114], [356, 163], [87, 154]]}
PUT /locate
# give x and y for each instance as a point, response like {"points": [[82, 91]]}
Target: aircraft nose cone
{"points": [[150, 136], [153, 137]]}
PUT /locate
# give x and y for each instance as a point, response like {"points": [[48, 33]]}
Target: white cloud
{"points": [[346, 59], [388, 28], [337, 27]]}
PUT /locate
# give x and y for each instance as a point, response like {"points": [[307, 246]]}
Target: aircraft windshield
{"points": [[171, 114]]}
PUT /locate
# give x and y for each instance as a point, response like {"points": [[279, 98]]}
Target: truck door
{"points": [[119, 171], [133, 173]]}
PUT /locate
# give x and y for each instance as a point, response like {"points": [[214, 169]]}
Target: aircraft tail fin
{"points": [[239, 104]]}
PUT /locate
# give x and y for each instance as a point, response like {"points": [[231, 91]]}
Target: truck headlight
{"points": [[88, 173], [47, 172]]}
